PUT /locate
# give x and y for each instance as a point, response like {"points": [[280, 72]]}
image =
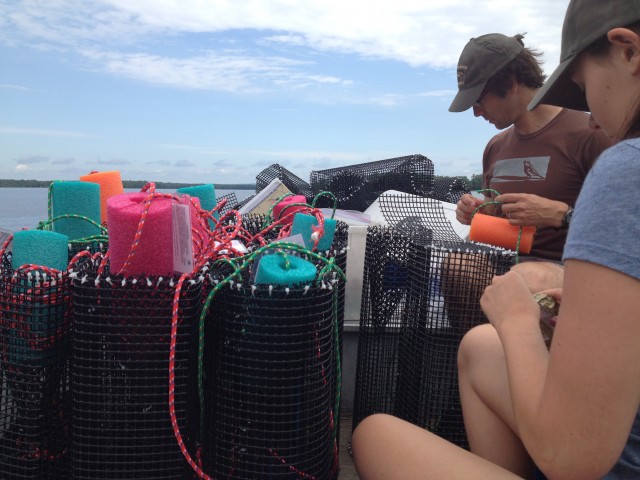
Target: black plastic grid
{"points": [[120, 376], [338, 251], [232, 202], [35, 317], [271, 367], [449, 189], [417, 216], [295, 184], [356, 187], [419, 299]]}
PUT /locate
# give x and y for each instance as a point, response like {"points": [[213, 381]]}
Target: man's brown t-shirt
{"points": [[552, 163]]}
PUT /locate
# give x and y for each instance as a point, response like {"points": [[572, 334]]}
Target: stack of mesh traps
{"points": [[272, 370], [356, 187], [35, 415], [421, 289], [120, 374]]}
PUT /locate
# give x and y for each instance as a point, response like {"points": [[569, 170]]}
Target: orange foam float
{"points": [[499, 232]]}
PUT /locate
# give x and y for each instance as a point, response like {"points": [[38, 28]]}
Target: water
{"points": [[25, 207]]}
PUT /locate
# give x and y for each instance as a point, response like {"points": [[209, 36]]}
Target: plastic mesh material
{"points": [[271, 375], [232, 202], [419, 299], [98, 246], [338, 251], [358, 186], [449, 189], [34, 374], [120, 376], [295, 184], [417, 216]]}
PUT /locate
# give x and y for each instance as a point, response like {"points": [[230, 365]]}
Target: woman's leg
{"points": [[486, 402], [385, 447]]}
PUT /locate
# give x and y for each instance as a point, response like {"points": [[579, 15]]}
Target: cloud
{"points": [[113, 161], [8, 86], [184, 163], [419, 34], [31, 160], [43, 132], [63, 161]]}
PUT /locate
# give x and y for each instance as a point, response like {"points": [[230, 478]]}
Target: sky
{"points": [[215, 91]]}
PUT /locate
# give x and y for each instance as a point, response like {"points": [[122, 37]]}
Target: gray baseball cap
{"points": [[481, 59], [585, 22]]}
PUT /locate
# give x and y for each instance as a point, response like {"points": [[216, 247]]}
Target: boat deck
{"points": [[347, 470]]}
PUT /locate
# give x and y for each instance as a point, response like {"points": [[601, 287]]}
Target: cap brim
{"points": [[560, 90], [465, 99]]}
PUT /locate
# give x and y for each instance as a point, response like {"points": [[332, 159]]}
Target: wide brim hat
{"points": [[585, 22]]}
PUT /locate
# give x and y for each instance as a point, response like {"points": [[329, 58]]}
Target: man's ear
{"points": [[628, 43]]}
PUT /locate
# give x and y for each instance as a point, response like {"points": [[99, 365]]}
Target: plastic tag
{"points": [[182, 242], [4, 234]]}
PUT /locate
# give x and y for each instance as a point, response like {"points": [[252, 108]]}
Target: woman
{"points": [[571, 411]]}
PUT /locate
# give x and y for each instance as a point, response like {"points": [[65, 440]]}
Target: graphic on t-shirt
{"points": [[520, 169]]}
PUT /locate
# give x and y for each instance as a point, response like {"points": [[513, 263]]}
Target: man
{"points": [[541, 158]]}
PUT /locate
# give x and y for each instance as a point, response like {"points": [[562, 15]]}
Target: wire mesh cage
{"points": [[120, 374], [419, 298], [272, 369], [356, 187], [416, 216], [35, 317], [449, 189], [231, 204], [295, 184]]}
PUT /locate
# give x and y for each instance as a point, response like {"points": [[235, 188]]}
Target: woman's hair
{"points": [[600, 48], [524, 69]]}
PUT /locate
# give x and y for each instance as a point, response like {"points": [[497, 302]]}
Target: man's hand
{"points": [[527, 209], [465, 208]]}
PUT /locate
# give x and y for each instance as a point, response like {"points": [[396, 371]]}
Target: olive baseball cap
{"points": [[585, 22], [481, 59]]}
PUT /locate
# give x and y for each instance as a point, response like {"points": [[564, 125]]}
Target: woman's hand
{"points": [[508, 299]]}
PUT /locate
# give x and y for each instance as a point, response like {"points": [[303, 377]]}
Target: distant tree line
{"points": [[473, 183], [127, 184]]}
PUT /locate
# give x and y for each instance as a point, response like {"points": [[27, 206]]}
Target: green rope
{"points": [[327, 194], [247, 260]]}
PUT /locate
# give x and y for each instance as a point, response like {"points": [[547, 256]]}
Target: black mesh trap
{"points": [[449, 189], [416, 216], [358, 186], [295, 184], [272, 367], [35, 317], [420, 296], [120, 375], [232, 202]]}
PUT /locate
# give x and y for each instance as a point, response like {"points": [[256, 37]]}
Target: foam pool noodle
{"points": [[40, 247], [154, 252], [499, 232], [110, 185], [280, 207], [79, 198], [277, 269], [207, 196], [303, 224]]}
